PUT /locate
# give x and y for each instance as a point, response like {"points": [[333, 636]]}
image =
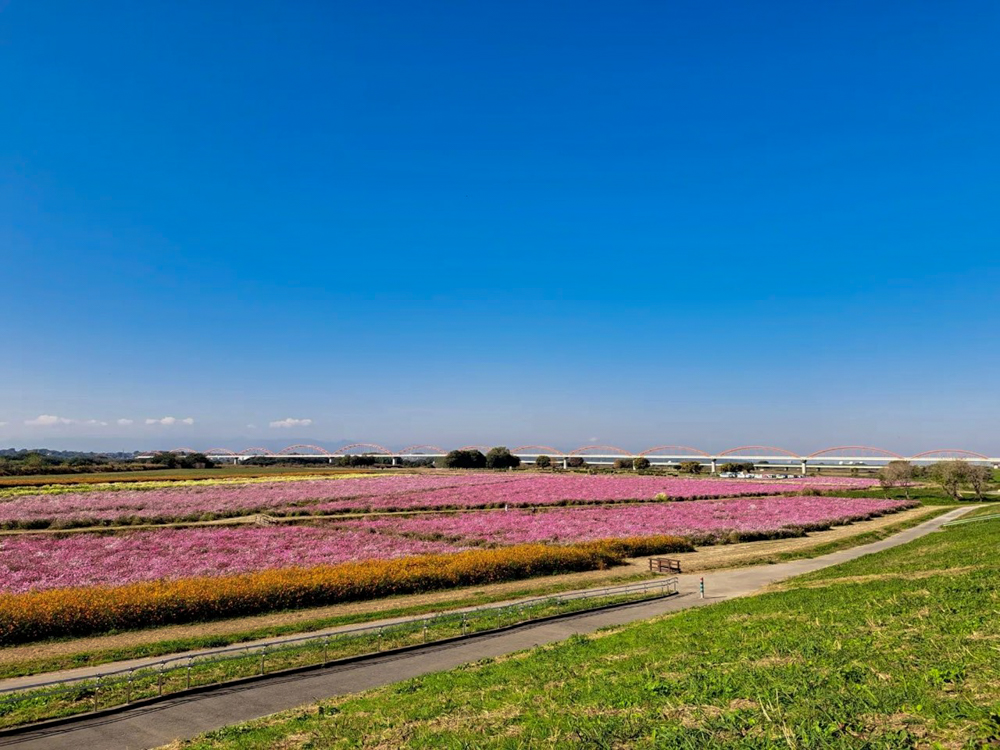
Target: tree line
{"points": [[950, 476]]}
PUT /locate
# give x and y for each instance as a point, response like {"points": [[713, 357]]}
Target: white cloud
{"points": [[249, 426], [170, 420], [2, 424], [290, 422], [47, 420], [125, 422], [593, 440], [96, 423]]}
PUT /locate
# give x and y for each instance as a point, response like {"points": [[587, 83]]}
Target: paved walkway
{"points": [[187, 716]]}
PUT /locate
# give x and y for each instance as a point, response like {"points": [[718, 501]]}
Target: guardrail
{"points": [[86, 695], [960, 521]]}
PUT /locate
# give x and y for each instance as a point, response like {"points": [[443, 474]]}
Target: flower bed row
{"points": [[86, 611], [382, 493], [705, 521], [44, 561], [197, 501]]}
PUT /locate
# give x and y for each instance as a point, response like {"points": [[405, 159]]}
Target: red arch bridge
{"points": [[841, 456]]}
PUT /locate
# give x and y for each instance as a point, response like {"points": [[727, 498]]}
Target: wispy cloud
{"points": [[125, 422], [96, 423], [47, 420], [170, 421], [290, 422]]}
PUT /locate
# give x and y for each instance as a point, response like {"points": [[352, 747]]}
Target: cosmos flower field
{"points": [[43, 561], [376, 494], [330, 540]]}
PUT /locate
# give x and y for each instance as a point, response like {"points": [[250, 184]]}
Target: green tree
{"points": [[465, 459], [641, 463], [950, 475], [979, 478], [689, 467], [501, 458], [197, 461], [166, 459], [543, 462], [895, 474]]}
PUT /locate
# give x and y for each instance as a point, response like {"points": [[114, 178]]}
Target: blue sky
{"points": [[633, 223]]}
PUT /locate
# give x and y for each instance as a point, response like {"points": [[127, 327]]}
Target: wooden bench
{"points": [[664, 565]]}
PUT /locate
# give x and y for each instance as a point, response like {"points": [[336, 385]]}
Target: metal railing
{"points": [[114, 688], [960, 521]]}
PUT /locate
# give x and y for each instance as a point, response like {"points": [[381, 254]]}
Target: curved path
{"points": [[187, 716]]}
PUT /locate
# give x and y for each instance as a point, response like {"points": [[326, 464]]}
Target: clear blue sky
{"points": [[633, 222]]}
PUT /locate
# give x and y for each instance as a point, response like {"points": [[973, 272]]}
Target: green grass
{"points": [[89, 695], [894, 650]]}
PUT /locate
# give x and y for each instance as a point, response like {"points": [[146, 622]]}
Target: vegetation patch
{"points": [[884, 663]]}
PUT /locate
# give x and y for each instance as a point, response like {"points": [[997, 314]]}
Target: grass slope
{"points": [[893, 650]]}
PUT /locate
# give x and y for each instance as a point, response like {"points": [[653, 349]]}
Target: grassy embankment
{"points": [[893, 650]]}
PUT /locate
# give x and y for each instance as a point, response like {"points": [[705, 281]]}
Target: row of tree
{"points": [[26, 463], [182, 460], [951, 476], [496, 458]]}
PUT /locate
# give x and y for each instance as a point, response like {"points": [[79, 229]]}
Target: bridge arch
{"points": [[257, 451], [378, 449], [539, 449], [418, 449], [758, 450], [606, 449], [182, 450], [951, 453], [480, 448], [866, 451], [219, 452], [674, 450], [292, 450]]}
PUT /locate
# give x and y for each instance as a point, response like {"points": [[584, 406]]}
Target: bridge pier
{"points": [[394, 460], [803, 467], [565, 463], [715, 468]]}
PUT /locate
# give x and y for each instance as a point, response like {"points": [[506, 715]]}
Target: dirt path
{"points": [[705, 558]]}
